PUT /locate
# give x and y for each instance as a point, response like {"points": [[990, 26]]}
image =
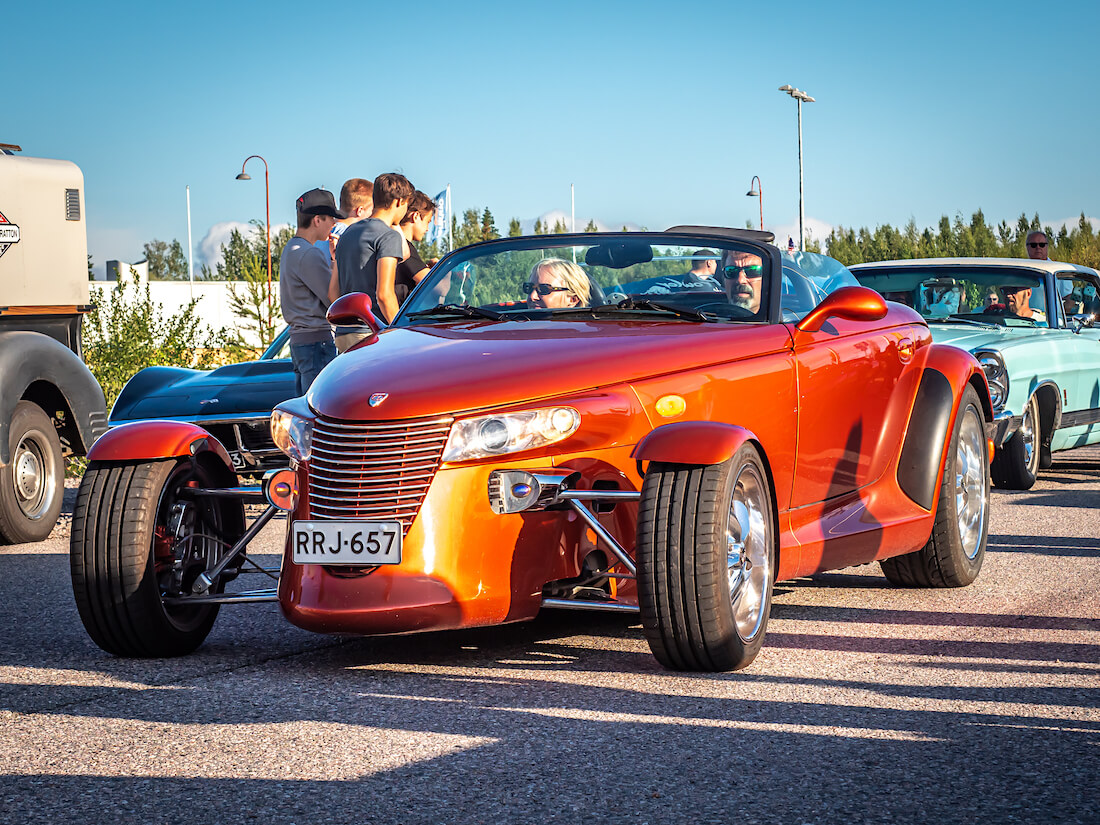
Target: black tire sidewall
{"points": [[15, 526], [959, 568]]}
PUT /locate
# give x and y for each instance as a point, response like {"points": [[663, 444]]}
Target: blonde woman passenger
{"points": [[557, 284]]}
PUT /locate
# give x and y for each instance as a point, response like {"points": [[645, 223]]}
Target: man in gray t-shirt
{"points": [[304, 277], [358, 253], [369, 251]]}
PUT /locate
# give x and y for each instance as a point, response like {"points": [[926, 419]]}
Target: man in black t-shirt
{"points": [[413, 226]]}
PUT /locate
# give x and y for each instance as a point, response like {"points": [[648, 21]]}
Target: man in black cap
{"points": [[304, 276]]}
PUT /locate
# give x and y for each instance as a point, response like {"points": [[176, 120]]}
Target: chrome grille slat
{"points": [[426, 470], [379, 470], [420, 424]]}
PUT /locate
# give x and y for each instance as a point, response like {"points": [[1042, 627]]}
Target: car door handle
{"points": [[906, 348]]}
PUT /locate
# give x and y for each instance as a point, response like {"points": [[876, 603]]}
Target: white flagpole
{"points": [[573, 215], [190, 253], [450, 222]]}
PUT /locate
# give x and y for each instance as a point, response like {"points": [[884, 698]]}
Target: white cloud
{"points": [[816, 229], [218, 235]]}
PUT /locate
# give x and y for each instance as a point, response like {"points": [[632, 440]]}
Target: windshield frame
{"points": [[927, 272], [701, 236]]}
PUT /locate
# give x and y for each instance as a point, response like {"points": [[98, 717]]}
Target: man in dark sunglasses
{"points": [[1037, 248], [742, 276]]}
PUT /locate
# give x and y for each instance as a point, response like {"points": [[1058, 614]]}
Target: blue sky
{"points": [[659, 113]]}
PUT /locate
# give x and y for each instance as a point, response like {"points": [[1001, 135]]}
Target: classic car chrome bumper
{"points": [[1004, 426]]}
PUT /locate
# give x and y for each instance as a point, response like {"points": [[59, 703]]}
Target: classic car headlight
{"points": [[292, 434], [996, 375], [509, 432]]}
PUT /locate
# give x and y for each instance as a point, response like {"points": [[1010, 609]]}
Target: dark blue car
{"points": [[233, 402]]}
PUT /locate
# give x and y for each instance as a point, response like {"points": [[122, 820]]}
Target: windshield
{"points": [[1003, 296], [552, 277]]}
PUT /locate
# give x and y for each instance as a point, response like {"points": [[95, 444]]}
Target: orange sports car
{"points": [[658, 423]]}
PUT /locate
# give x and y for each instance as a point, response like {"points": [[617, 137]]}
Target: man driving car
{"points": [[742, 276]]}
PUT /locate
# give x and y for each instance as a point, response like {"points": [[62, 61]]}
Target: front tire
{"points": [[706, 554], [136, 540], [955, 550], [1016, 464], [31, 485]]}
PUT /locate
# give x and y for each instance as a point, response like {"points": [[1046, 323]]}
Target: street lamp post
{"points": [[801, 97], [757, 191], [267, 208]]}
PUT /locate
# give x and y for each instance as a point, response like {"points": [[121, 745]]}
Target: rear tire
{"points": [[1016, 464], [31, 485], [706, 561], [955, 550], [125, 557]]}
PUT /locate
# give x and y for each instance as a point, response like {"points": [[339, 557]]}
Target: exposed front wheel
{"points": [[139, 540], [955, 550], [706, 554], [32, 483], [1016, 464]]}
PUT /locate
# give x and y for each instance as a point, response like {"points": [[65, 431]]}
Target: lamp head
{"points": [[243, 176], [752, 193]]}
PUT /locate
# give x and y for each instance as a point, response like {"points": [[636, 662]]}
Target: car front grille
{"points": [[377, 470]]}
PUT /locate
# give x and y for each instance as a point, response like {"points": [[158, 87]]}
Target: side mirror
{"points": [[853, 303], [1079, 322], [353, 309]]}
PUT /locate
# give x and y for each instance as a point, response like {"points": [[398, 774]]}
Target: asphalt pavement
{"points": [[867, 704]]}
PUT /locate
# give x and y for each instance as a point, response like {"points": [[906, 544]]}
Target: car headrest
{"points": [[596, 297], [619, 254]]}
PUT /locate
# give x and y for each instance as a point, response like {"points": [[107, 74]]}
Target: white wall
{"points": [[213, 307]]}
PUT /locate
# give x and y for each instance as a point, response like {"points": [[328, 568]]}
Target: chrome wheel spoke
{"points": [[748, 556], [971, 495]]}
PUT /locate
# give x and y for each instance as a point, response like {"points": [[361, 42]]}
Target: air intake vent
{"points": [[72, 204]]}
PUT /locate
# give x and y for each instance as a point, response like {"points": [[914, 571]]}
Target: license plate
{"points": [[346, 542]]}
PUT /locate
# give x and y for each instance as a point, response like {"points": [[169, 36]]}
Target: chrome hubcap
{"points": [[971, 493], [1027, 434], [33, 472], [748, 551]]}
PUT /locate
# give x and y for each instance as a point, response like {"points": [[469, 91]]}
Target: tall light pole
{"points": [[267, 206], [801, 97], [757, 192]]}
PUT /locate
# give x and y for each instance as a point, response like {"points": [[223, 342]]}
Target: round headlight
{"points": [[493, 434]]}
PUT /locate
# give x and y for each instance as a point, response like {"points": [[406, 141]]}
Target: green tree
{"points": [[245, 251], [127, 331], [559, 227], [591, 227], [540, 227], [91, 272], [514, 229], [166, 261], [488, 226], [261, 313]]}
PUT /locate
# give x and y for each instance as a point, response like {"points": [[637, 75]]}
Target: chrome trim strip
{"points": [[244, 597], [412, 423], [581, 604]]}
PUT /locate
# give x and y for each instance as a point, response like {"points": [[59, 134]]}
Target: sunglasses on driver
{"points": [[542, 289], [753, 271]]}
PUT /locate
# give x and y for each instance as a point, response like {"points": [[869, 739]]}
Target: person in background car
{"points": [[1037, 246]]}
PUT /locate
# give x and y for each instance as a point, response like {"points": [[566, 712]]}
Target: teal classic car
{"points": [[1030, 325]]}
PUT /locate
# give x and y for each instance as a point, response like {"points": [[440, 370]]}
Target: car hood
{"points": [[435, 370], [169, 392], [969, 337]]}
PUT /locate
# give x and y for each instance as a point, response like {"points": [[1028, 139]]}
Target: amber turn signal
{"points": [[281, 488]]}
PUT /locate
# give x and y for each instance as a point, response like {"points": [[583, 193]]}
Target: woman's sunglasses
{"points": [[542, 289]]}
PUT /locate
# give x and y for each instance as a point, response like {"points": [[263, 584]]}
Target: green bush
{"points": [[129, 332]]}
